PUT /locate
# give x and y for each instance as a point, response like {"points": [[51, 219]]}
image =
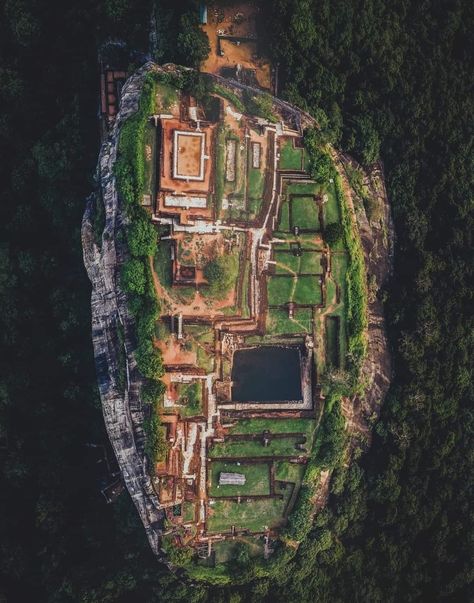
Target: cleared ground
{"points": [[188, 149]]}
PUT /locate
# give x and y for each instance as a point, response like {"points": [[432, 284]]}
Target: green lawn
{"points": [[257, 479], [255, 515], [311, 263], [248, 448], [237, 187], [308, 291], [331, 293], [202, 337], [304, 213], [254, 207], [303, 290], [245, 290], [290, 157], [339, 264], [280, 290], [302, 188], [307, 241], [166, 96], [188, 511], [256, 181], [286, 262], [278, 322], [205, 360], [331, 210], [284, 223], [273, 425], [162, 263], [219, 172], [289, 472]]}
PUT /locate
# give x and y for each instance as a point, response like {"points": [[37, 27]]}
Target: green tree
{"points": [[152, 391], [320, 164], [133, 277], [221, 274], [149, 361], [192, 42], [333, 233], [116, 9], [366, 140], [142, 237]]}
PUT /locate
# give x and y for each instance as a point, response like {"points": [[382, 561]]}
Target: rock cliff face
{"points": [[113, 327]]}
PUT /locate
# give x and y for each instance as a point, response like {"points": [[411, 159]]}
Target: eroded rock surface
{"points": [[113, 327]]}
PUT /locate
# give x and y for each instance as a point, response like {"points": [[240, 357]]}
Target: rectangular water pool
{"points": [[266, 374]]}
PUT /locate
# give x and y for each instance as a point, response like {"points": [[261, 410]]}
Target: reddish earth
{"points": [[222, 19]]}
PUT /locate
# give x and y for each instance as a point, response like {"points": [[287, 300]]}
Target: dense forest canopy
{"points": [[385, 79]]}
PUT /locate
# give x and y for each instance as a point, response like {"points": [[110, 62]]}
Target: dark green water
{"points": [[266, 374]]}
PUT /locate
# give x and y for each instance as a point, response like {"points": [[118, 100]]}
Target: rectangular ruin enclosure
{"points": [[188, 155], [267, 374], [185, 201]]}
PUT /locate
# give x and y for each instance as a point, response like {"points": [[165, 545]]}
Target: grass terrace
{"points": [[302, 290], [279, 323], [257, 479], [291, 157], [309, 262], [253, 515], [289, 472], [304, 213], [166, 97], [255, 448], [332, 212]]}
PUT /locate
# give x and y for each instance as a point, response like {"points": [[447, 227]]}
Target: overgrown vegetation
{"points": [[137, 279], [260, 104], [321, 168], [356, 303], [230, 96], [156, 445], [327, 454]]}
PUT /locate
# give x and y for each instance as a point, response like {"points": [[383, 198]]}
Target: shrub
{"points": [[230, 96], [192, 42], [330, 449], [320, 164], [129, 168], [142, 237], [261, 105], [366, 140], [299, 522], [151, 392], [356, 306], [156, 445], [133, 277], [333, 233], [221, 274], [149, 360]]}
